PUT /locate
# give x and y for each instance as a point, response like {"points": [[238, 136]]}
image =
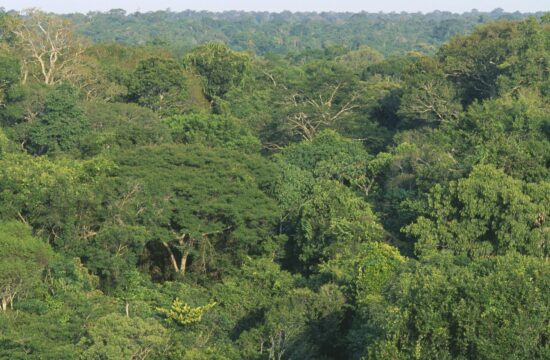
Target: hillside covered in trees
{"points": [[274, 194]]}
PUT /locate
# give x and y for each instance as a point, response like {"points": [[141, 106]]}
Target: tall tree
{"points": [[208, 201], [50, 51]]}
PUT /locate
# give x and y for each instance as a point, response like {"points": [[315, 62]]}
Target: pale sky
{"points": [[67, 6]]}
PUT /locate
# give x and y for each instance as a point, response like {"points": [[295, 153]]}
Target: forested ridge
{"points": [[170, 198]]}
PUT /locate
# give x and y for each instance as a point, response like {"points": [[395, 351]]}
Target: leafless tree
{"points": [[51, 52], [317, 112]]}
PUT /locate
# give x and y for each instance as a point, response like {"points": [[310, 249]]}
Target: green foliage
{"points": [[114, 252], [332, 218], [487, 213], [54, 197], [497, 58], [208, 201], [364, 271], [303, 324], [509, 132], [50, 324], [333, 157], [248, 291], [9, 68], [327, 148], [363, 274], [160, 85], [6, 145], [23, 257], [61, 126], [449, 308], [119, 126], [358, 60], [428, 96], [183, 314], [117, 337], [23, 104], [324, 202], [213, 131], [283, 33], [220, 68]]}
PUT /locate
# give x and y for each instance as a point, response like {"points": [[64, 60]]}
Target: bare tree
{"points": [[431, 100], [51, 52], [317, 112]]}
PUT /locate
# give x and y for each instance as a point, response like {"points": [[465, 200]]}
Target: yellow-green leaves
{"points": [[183, 314]]}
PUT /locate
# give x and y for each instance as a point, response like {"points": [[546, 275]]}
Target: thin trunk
{"points": [[185, 255], [182, 266], [183, 262], [25, 76], [4, 304], [172, 257], [127, 308]]}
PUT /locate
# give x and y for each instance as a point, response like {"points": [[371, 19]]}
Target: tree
{"points": [[403, 215], [488, 213], [509, 132], [333, 157], [423, 158], [117, 337], [23, 257], [212, 130], [159, 84], [62, 124], [326, 98], [330, 220], [183, 314], [301, 324], [220, 68], [451, 308], [108, 69], [50, 51], [362, 273], [358, 60], [23, 104], [497, 58], [118, 126], [113, 249], [56, 198], [249, 290], [9, 70], [428, 96], [208, 201]]}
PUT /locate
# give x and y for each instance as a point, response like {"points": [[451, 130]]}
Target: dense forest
{"points": [[274, 186], [283, 33]]}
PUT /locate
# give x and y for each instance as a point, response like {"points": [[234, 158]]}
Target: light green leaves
{"points": [[183, 314]]}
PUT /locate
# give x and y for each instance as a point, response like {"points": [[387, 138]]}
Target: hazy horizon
{"points": [[424, 6]]}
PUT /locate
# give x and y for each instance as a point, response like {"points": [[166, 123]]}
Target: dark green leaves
{"points": [[62, 124]]}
